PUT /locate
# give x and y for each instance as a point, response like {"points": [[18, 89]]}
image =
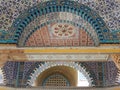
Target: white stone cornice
{"points": [[67, 57]]}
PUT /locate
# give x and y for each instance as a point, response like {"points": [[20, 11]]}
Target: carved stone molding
{"points": [[68, 57], [53, 57]]}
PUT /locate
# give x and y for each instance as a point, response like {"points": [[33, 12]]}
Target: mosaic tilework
{"points": [[47, 65], [11, 72], [107, 69], [28, 70], [92, 68], [108, 10], [57, 17], [110, 74], [64, 6], [27, 66], [5, 37], [11, 9], [42, 37], [63, 30]]}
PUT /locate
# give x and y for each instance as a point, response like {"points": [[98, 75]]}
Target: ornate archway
{"points": [[50, 7], [48, 65]]}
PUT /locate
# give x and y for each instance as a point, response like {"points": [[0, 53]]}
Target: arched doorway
{"points": [[58, 76], [73, 74]]}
